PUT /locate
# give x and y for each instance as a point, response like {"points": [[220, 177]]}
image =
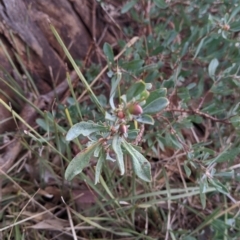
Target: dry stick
{"points": [[202, 114], [71, 223], [140, 135], [26, 194], [94, 21], [15, 220], [27, 219], [129, 44], [203, 99]]}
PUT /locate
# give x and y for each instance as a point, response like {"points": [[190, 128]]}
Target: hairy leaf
{"points": [[128, 6], [133, 65], [135, 90], [146, 119], [101, 159], [155, 106], [212, 68], [107, 49], [141, 166], [84, 128], [79, 162], [116, 145]]}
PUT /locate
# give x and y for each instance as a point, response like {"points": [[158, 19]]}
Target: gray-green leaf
{"points": [[155, 106], [212, 68], [107, 49], [115, 81], [128, 6], [141, 166], [199, 47], [84, 128], [135, 90], [161, 92], [100, 162], [146, 119], [133, 65], [160, 3], [79, 162], [116, 145]]}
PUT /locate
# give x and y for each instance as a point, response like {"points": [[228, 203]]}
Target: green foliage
{"points": [[84, 128], [157, 141], [201, 48], [112, 135], [80, 161]]}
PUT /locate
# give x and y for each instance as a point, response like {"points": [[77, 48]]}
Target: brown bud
{"points": [[121, 114], [122, 129], [226, 27], [135, 109]]}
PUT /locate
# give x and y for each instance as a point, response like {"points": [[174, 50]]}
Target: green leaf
{"points": [[42, 123], [203, 187], [212, 68], [155, 106], [143, 96], [109, 158], [185, 49], [199, 47], [100, 162], [77, 69], [218, 185], [227, 155], [183, 93], [133, 133], [135, 89], [110, 117], [148, 86], [189, 238], [141, 166], [235, 121], [168, 83], [97, 151], [116, 145], [152, 67], [161, 92], [128, 6], [146, 119], [84, 128], [234, 13], [133, 65], [107, 49], [235, 26], [115, 81], [161, 4], [187, 169], [79, 162], [229, 174]]}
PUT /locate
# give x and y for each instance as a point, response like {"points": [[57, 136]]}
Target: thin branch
{"points": [[197, 112]]}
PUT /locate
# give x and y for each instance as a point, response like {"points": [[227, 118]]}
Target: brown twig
{"points": [[140, 135], [197, 112]]}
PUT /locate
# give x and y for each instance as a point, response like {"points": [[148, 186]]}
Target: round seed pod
{"points": [[121, 114], [135, 109], [122, 129]]}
